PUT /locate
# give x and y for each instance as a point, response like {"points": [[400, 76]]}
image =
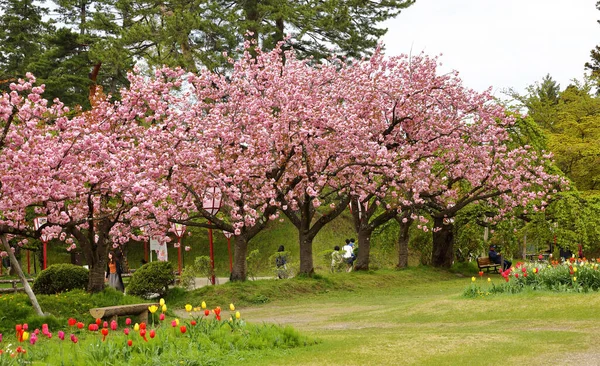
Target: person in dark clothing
{"points": [[280, 262], [496, 257]]}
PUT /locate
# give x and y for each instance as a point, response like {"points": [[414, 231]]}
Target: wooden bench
{"points": [[14, 287], [113, 312], [484, 262]]}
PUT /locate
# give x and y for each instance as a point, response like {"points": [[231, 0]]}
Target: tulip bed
{"points": [[573, 275], [208, 337]]}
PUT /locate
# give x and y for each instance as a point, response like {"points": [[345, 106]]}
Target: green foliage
{"points": [[60, 278], [151, 279], [569, 276], [16, 308], [200, 268], [422, 243], [253, 263], [209, 342]]}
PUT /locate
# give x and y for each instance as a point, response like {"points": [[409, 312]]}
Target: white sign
{"points": [[154, 244]]}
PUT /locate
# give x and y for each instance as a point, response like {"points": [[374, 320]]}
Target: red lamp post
{"points": [[38, 222], [212, 204], [228, 235], [179, 230]]}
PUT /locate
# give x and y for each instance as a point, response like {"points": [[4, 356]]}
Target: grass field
{"points": [[419, 317]]}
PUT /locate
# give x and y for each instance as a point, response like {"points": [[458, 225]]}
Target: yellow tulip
{"points": [[574, 269], [188, 308], [136, 327], [203, 305], [231, 307], [161, 302], [237, 315], [575, 279], [164, 308], [489, 279], [473, 278], [177, 321], [153, 308], [25, 336]]}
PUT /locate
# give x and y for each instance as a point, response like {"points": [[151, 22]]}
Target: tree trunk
{"points": [[403, 237], [443, 244], [364, 249], [15, 265], [97, 276], [306, 257], [240, 252]]}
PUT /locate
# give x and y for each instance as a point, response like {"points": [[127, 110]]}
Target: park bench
{"points": [[484, 262], [113, 312]]}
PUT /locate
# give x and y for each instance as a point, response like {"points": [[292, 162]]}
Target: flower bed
{"points": [[573, 275], [209, 337]]}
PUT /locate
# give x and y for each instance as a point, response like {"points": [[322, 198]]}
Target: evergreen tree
{"points": [[21, 26]]}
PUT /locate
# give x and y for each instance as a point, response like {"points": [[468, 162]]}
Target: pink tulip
{"points": [[61, 335], [113, 325], [126, 331], [128, 321]]}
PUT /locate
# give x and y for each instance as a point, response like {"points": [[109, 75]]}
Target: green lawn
{"points": [[428, 322]]}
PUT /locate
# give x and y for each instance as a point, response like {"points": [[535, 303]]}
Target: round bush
{"points": [[151, 279], [60, 278]]}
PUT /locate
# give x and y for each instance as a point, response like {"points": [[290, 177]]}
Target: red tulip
{"points": [[206, 312], [143, 334], [142, 325], [19, 328], [152, 333], [72, 322], [193, 322], [104, 333], [129, 342], [516, 275], [91, 327], [183, 329], [98, 321], [79, 325], [480, 273]]}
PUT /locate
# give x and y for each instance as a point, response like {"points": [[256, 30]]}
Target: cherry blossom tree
{"points": [[22, 112], [448, 146], [93, 175], [270, 136]]}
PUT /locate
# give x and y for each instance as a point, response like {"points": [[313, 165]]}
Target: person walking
{"points": [[281, 263], [336, 259], [113, 272], [349, 256]]}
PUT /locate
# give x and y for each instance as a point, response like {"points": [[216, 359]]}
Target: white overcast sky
{"points": [[500, 43]]}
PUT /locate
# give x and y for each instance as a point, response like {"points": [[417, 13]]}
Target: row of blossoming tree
{"points": [[388, 135]]}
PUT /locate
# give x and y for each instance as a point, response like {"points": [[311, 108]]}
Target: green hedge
{"points": [[59, 278], [150, 279]]}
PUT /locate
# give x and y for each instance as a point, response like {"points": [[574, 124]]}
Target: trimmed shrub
{"points": [[151, 279], [59, 278]]}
